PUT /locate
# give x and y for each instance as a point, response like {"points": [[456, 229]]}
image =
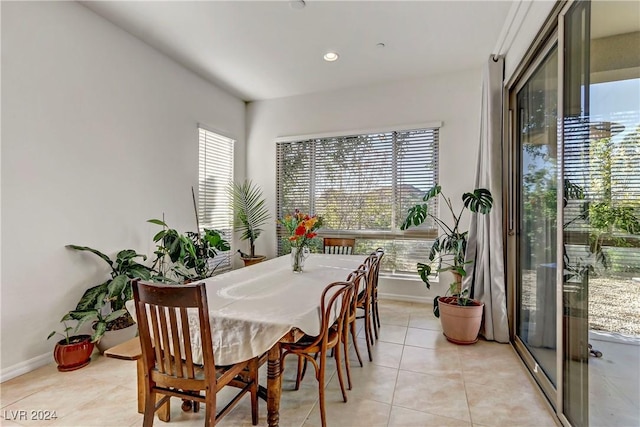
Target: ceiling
{"points": [[260, 50]]}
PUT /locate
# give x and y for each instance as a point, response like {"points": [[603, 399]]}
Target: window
{"points": [[362, 186], [215, 172]]}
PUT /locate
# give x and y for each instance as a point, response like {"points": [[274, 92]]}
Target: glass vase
{"points": [[298, 255]]}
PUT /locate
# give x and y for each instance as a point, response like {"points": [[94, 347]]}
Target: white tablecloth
{"points": [[252, 308]]}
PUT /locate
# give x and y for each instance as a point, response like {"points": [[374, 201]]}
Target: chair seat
{"points": [[306, 342]]}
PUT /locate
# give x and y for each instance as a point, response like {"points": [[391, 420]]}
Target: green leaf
{"points": [[116, 286], [478, 201], [432, 192], [93, 251], [114, 315], [424, 270], [157, 222], [91, 298], [100, 329], [436, 307]]}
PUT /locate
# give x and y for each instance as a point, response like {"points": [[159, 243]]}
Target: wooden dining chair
{"points": [[374, 292], [338, 246], [364, 302], [358, 277], [174, 328], [334, 304]]}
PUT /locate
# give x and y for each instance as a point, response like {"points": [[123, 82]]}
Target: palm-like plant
{"points": [[251, 211], [450, 246]]}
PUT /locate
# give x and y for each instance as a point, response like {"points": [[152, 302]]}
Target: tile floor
{"points": [[416, 378]]}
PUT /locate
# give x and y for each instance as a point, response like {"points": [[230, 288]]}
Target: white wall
{"points": [[453, 99], [535, 17], [98, 135]]}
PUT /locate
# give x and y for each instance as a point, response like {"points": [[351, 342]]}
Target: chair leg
{"points": [[149, 409], [302, 369], [253, 366], [320, 375], [210, 409], [345, 342], [367, 331], [375, 317], [339, 368], [355, 341]]}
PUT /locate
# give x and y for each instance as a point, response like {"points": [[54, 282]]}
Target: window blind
{"points": [[362, 185], [214, 205], [601, 161]]}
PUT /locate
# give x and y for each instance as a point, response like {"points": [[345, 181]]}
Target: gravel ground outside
{"points": [[614, 302]]}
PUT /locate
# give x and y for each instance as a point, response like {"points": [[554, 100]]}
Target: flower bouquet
{"points": [[301, 228]]}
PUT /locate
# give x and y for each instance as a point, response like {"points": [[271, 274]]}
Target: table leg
{"points": [[274, 386]]}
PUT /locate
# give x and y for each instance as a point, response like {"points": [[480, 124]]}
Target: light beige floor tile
{"points": [[29, 383], [7, 423], [117, 406], [402, 417], [390, 333], [354, 413], [64, 398], [431, 361], [370, 383], [426, 338], [435, 394], [383, 353], [516, 409], [425, 320], [393, 317]]}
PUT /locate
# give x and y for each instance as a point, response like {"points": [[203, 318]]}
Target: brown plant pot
{"points": [[256, 259], [460, 324], [76, 355]]}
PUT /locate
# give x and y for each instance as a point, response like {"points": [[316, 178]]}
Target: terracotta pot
{"points": [[256, 259], [460, 324], [76, 355]]}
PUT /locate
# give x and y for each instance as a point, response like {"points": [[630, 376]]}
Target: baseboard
{"points": [[26, 366], [407, 298]]}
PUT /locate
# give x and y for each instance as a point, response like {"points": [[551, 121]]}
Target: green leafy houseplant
{"points": [[448, 249], [104, 304], [251, 212], [190, 255]]}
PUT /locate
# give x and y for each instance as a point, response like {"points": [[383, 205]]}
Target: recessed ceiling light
{"points": [[297, 4], [331, 56]]}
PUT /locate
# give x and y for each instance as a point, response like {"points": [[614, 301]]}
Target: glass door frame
{"points": [[513, 255], [550, 36]]}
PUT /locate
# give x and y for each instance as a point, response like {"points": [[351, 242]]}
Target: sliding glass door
{"points": [[574, 241], [536, 141]]}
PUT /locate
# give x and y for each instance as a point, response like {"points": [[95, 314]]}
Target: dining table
{"points": [[255, 308]]}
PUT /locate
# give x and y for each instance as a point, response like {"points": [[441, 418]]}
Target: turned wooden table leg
{"points": [[274, 386]]}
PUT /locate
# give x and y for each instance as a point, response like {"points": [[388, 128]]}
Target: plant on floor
{"points": [[251, 213], [71, 352], [186, 257], [104, 304], [448, 249]]}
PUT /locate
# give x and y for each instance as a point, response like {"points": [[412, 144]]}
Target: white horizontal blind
{"points": [[602, 159], [214, 205], [362, 186]]}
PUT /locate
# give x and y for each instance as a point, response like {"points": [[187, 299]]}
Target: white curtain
{"points": [[485, 246]]}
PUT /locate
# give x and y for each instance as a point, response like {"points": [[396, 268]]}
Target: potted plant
{"points": [[104, 304], [251, 213], [461, 316], [71, 352], [184, 258]]}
